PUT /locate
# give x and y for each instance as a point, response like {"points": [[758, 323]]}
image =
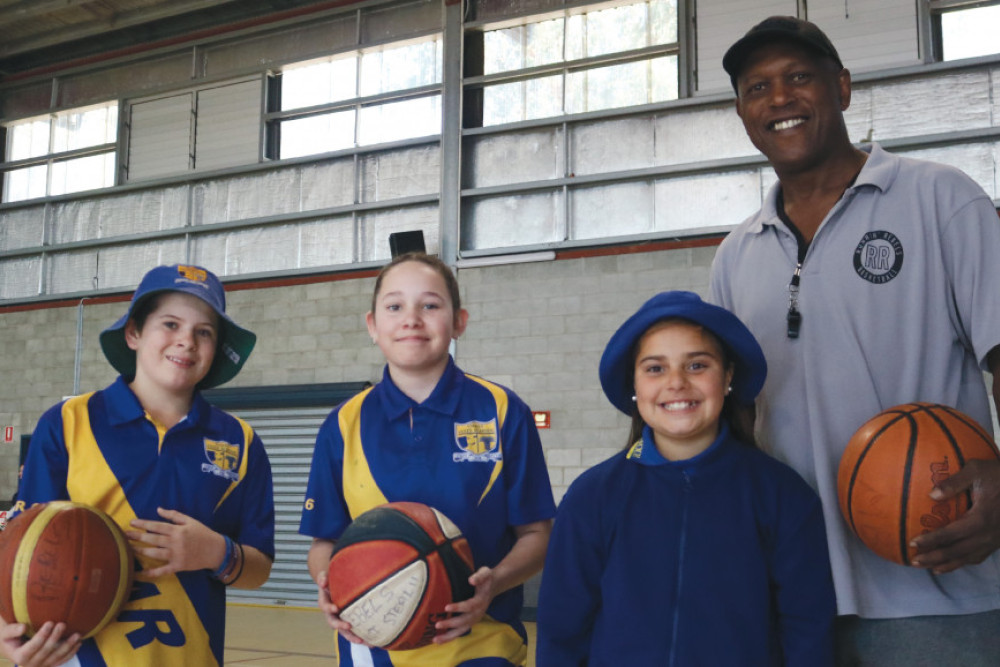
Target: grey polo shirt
{"points": [[900, 302]]}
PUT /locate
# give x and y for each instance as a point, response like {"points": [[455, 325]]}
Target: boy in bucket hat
{"points": [[189, 483], [691, 546]]}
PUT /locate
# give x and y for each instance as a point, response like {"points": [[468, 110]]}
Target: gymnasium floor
{"points": [[258, 636]]}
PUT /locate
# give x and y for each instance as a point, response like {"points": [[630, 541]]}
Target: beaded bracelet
{"points": [[228, 561], [239, 573]]}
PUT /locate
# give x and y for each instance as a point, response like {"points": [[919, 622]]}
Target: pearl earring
{"points": [[633, 399]]}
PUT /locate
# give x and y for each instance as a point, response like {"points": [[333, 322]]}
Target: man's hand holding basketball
{"points": [[971, 538]]}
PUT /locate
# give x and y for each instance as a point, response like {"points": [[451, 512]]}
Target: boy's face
{"points": [[681, 383], [176, 346]]}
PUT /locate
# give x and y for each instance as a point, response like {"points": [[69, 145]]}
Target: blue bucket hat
{"points": [[617, 368], [235, 342]]}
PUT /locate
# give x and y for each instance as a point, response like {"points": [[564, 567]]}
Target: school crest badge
{"points": [[477, 442], [223, 459]]}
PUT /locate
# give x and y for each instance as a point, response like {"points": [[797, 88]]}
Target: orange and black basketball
{"points": [[893, 462], [64, 562], [393, 571]]}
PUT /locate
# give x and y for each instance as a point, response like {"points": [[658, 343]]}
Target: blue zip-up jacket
{"points": [[716, 560]]}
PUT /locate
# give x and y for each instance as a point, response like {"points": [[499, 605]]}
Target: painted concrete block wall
{"points": [[537, 328]]}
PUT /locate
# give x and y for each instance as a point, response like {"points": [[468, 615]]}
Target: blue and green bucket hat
{"points": [[235, 342]]}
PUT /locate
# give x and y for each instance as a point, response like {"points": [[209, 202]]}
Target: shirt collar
{"points": [[123, 405], [645, 452], [879, 171], [444, 399]]}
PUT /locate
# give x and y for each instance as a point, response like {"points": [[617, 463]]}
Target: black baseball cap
{"points": [[777, 29]]}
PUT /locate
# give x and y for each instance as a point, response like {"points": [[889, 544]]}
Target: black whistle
{"points": [[794, 322]]}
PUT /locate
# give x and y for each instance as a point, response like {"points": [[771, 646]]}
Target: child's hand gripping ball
{"points": [[893, 462], [64, 562], [393, 571]]}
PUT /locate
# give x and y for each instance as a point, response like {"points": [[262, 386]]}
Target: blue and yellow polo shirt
{"points": [[102, 449], [471, 450]]}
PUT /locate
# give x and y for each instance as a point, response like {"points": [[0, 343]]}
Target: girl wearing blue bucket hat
{"points": [[188, 483], [692, 546]]}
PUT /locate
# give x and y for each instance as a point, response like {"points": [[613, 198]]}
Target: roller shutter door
{"points": [[289, 436]]}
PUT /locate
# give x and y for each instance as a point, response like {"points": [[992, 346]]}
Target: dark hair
{"points": [[739, 426], [432, 261], [142, 310]]}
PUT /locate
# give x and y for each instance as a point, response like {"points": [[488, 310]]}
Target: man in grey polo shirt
{"points": [[870, 281]]}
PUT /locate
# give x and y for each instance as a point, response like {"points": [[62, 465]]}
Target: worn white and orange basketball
{"points": [[393, 571], [64, 562]]}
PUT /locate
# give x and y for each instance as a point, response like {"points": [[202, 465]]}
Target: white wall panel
{"points": [[995, 97], [159, 137], [124, 266], [327, 242], [715, 200], [228, 126], [537, 153], [21, 228], [612, 145], [327, 184], [375, 227], [940, 109], [719, 24], [869, 34], [76, 220], [20, 277], [503, 222], [71, 271], [612, 210], [702, 134], [144, 211], [402, 173], [976, 160], [262, 249]]}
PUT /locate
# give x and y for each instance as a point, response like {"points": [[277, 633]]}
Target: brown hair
{"points": [[740, 427], [432, 261]]}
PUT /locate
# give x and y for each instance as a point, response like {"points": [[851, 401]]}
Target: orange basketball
{"points": [[393, 571], [893, 462], [64, 562]]}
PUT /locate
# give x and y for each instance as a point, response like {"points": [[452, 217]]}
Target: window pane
{"points": [[523, 46], [607, 31], [663, 21], [969, 33], [28, 183], [88, 173], [28, 138], [85, 127], [616, 86], [317, 134], [522, 100], [400, 68], [319, 83], [400, 120]]}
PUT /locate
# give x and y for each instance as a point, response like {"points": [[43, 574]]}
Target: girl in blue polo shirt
{"points": [[190, 484], [691, 547], [430, 433]]}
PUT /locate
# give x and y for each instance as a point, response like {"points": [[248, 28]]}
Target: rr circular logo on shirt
{"points": [[878, 257]]}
